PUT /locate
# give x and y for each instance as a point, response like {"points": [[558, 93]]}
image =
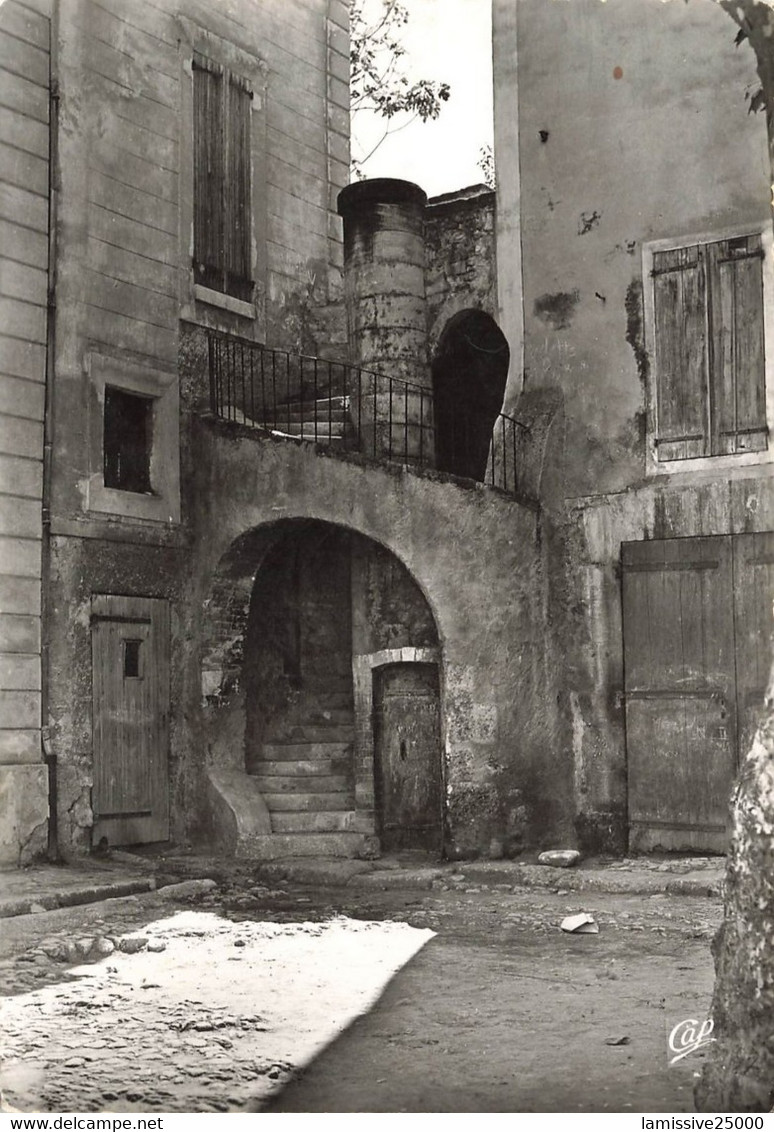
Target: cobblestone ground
{"points": [[100, 1014]]}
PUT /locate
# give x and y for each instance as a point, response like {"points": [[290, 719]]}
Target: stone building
{"points": [[634, 258], [337, 520], [24, 364], [286, 587]]}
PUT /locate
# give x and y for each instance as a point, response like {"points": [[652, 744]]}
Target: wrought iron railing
{"points": [[352, 409]]}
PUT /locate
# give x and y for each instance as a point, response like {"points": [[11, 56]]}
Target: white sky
{"points": [[448, 40]]}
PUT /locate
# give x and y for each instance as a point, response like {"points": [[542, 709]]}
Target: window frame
{"points": [[147, 442], [719, 462], [200, 303], [162, 503]]}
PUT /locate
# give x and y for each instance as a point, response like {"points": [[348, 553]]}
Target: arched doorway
{"points": [[319, 611], [469, 371]]}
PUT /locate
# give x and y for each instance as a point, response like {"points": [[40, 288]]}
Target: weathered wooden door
{"points": [[680, 687], [130, 681], [408, 757]]}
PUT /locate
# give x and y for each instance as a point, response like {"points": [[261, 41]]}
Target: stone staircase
{"points": [[306, 777], [325, 421]]}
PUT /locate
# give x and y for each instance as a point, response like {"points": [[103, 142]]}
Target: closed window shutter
{"points": [[238, 152], [679, 286], [738, 370], [222, 157], [208, 173]]}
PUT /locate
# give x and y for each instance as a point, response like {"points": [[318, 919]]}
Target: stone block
{"points": [[237, 809], [23, 813]]}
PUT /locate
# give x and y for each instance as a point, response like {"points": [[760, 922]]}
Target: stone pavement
{"points": [[123, 1005], [40, 888], [45, 887], [696, 876]]}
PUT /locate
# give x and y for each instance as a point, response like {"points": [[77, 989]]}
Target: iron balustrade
{"points": [[352, 409]]}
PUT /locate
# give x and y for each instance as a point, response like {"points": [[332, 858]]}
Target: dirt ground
{"points": [[499, 1012]]}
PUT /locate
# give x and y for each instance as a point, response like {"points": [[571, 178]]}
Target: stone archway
{"points": [[469, 369], [302, 613]]}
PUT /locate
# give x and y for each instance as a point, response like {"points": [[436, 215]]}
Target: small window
{"points": [[709, 349], [222, 159], [132, 658], [127, 439]]}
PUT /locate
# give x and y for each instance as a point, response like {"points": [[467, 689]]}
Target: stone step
{"points": [[313, 734], [324, 701], [304, 752], [305, 802], [286, 414], [328, 683], [306, 430], [338, 404], [320, 716], [274, 846], [299, 768], [302, 784], [332, 821]]}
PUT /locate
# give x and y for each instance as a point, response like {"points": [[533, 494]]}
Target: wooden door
{"points": [[680, 686], [408, 757], [130, 682], [754, 622]]}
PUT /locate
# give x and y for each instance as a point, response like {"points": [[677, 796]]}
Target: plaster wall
{"points": [[633, 126], [126, 212], [24, 218], [124, 243], [502, 760]]}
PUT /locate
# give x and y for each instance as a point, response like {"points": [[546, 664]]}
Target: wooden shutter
{"points": [[208, 173], [237, 199], [738, 372], [679, 288], [222, 159]]}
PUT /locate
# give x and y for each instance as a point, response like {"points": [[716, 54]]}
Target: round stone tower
{"points": [[384, 271], [384, 264]]}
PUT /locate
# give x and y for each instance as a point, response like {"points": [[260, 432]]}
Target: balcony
{"points": [[353, 410]]}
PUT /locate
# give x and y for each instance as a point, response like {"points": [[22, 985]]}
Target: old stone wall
{"points": [[605, 103], [460, 265], [590, 621], [125, 275], [611, 100], [501, 758], [125, 281], [25, 32]]}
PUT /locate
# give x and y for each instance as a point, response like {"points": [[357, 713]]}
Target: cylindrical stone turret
{"points": [[384, 272], [384, 264]]}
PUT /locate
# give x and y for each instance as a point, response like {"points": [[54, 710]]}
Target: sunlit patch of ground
{"points": [[218, 1019]]}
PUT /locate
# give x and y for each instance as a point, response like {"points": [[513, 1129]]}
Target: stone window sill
{"points": [[225, 302]]}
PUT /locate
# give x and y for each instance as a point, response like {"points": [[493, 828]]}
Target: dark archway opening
{"points": [[469, 372], [328, 603]]}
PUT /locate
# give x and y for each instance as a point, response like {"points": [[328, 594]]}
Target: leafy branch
{"points": [[379, 84]]}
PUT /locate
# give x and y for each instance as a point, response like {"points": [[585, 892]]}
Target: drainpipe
{"points": [[49, 754]]}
